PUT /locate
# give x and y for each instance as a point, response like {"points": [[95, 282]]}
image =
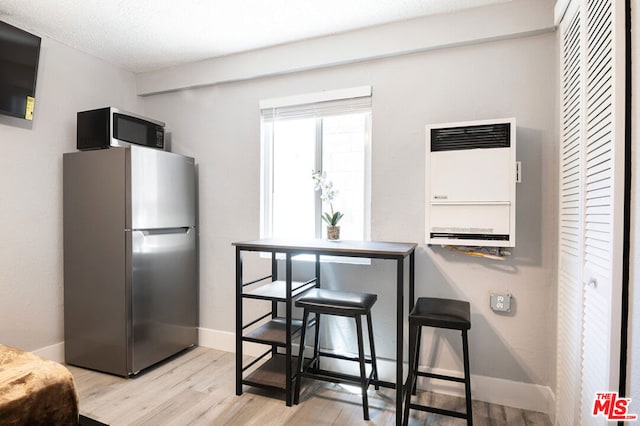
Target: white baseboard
{"points": [[53, 352], [527, 396], [522, 395], [226, 341]]}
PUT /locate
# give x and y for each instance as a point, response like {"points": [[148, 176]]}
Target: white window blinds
{"points": [[329, 103]]}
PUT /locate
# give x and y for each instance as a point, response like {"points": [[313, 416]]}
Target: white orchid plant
{"points": [[327, 195]]}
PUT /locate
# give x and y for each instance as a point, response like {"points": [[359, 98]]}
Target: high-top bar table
{"points": [[362, 249]]}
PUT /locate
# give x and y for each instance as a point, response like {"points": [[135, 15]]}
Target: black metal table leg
{"points": [[238, 321], [412, 279], [399, 339], [288, 349]]}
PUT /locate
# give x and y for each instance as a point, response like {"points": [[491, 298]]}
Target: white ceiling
{"points": [[143, 35]]}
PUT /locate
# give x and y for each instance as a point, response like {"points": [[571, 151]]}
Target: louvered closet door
{"points": [[569, 357], [591, 207], [603, 200]]}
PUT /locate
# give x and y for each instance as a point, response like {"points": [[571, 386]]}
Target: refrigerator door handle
{"points": [[161, 231]]}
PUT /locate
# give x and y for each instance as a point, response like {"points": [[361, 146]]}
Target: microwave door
{"points": [[132, 129], [129, 130]]}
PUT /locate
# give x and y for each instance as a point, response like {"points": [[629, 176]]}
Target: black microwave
{"points": [[105, 127]]}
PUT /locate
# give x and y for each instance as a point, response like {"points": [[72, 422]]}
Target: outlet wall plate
{"points": [[500, 302]]}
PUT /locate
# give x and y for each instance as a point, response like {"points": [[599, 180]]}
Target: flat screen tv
{"points": [[19, 54]]}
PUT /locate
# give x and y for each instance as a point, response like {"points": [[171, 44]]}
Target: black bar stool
{"points": [[344, 304], [439, 313]]}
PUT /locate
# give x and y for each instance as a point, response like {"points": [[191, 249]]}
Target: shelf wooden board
{"points": [[273, 332], [276, 290], [272, 372]]}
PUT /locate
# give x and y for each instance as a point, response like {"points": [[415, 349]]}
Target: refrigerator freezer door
{"points": [[162, 189], [164, 294]]}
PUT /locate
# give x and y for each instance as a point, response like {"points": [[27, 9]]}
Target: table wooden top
{"points": [[330, 247]]}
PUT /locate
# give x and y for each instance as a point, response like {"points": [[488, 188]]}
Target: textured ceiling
{"points": [[142, 35]]}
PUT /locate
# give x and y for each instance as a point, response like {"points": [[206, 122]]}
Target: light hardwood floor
{"points": [[198, 388]]}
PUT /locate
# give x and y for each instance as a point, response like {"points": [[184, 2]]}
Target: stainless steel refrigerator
{"points": [[130, 291]]}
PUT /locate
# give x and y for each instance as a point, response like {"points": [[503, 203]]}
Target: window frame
{"points": [[358, 94]]}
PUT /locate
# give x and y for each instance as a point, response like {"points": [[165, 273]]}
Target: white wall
{"points": [[469, 26], [219, 126], [31, 296]]}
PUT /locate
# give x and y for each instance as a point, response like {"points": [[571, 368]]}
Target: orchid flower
{"points": [[327, 195]]}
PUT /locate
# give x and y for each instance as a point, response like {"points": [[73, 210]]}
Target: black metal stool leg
{"points": [[315, 363], [414, 331], [467, 377], [303, 334], [374, 362], [414, 390], [363, 370]]}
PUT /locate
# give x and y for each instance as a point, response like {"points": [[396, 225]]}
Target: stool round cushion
{"points": [[336, 302], [442, 313]]}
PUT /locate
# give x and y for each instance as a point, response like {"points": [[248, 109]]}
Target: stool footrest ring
{"points": [[438, 411], [332, 376], [440, 376], [343, 357]]}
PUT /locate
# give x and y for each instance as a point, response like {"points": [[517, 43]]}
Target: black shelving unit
{"points": [[276, 368]]}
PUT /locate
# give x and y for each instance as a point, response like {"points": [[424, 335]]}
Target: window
{"points": [[328, 131]]}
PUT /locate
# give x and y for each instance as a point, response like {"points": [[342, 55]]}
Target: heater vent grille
{"points": [[471, 137]]}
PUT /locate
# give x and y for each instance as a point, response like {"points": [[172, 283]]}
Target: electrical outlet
{"points": [[500, 302]]}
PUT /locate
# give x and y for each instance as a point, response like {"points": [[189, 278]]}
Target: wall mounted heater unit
{"points": [[471, 183]]}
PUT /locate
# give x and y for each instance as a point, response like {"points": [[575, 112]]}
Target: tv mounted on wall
{"points": [[19, 54]]}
